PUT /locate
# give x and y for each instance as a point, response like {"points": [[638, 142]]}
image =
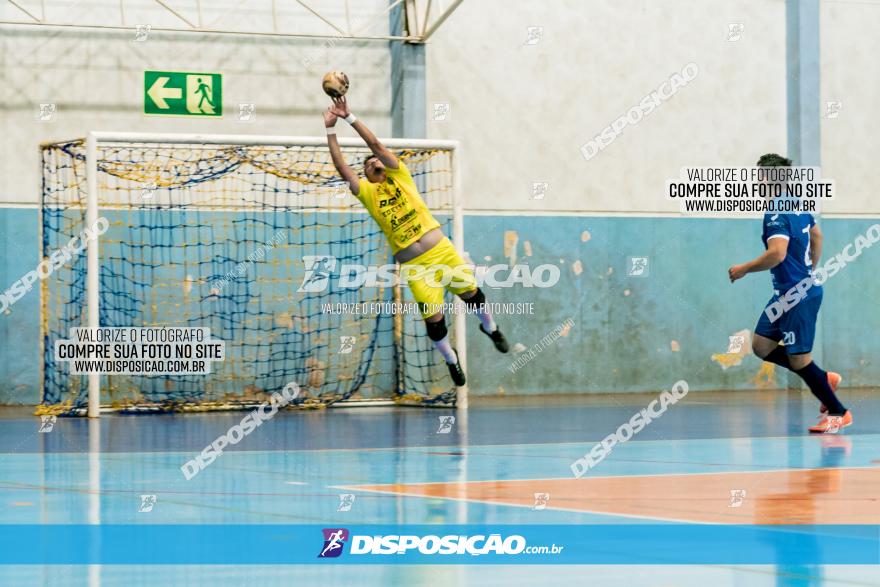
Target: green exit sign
{"points": [[181, 93]]}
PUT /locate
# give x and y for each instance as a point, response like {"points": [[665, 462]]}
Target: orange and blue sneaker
{"points": [[832, 424], [834, 380]]}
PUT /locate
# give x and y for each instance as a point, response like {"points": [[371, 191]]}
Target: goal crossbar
{"points": [[251, 140]]}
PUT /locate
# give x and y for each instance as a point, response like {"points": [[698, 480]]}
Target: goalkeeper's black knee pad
{"points": [[436, 330], [476, 300]]}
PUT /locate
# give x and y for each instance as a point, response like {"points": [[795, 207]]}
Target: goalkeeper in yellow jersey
{"points": [[390, 196]]}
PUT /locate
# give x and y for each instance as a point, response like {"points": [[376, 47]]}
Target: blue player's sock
{"points": [[779, 357], [817, 380]]}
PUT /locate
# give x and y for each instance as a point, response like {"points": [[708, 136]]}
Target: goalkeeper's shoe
{"points": [[497, 338], [456, 372]]}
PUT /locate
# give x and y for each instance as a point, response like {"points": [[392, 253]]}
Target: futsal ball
{"points": [[335, 84]]}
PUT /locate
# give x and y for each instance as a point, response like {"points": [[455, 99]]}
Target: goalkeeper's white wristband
{"points": [[331, 130], [351, 119]]}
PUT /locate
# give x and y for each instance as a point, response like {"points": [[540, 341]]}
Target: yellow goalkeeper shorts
{"points": [[434, 271]]}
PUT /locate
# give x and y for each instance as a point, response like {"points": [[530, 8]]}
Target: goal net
{"points": [[219, 233]]}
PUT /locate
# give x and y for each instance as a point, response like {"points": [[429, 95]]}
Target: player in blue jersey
{"points": [[793, 244]]}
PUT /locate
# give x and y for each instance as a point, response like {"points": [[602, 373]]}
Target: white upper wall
{"points": [[523, 111], [850, 44]]}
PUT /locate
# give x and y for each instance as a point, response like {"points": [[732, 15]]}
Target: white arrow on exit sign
{"points": [[158, 93]]}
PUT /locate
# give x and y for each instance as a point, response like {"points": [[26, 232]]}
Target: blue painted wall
{"points": [[20, 325], [624, 326]]}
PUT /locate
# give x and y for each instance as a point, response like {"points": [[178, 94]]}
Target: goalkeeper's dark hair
{"points": [[368, 157], [773, 160]]}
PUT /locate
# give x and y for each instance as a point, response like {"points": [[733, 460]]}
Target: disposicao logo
{"points": [[334, 540]]}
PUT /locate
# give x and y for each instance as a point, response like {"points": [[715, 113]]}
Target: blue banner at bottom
{"points": [[623, 544]]}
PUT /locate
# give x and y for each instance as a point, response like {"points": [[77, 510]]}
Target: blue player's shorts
{"points": [[796, 328]]}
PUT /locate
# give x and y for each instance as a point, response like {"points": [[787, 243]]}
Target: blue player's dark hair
{"points": [[773, 160]]}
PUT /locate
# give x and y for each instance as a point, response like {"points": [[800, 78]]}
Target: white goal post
{"points": [[96, 138]]}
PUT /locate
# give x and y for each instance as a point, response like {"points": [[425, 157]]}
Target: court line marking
{"points": [[564, 509], [645, 441], [572, 478], [529, 508], [110, 493], [363, 488], [588, 443], [513, 505], [120, 457]]}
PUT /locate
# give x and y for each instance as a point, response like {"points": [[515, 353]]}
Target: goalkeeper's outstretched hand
{"points": [[340, 107]]}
